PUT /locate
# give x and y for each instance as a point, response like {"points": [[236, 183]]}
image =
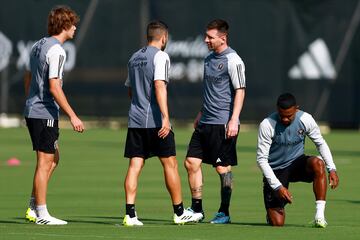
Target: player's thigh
{"points": [[162, 147], [300, 170], [49, 136], [195, 147], [227, 155], [270, 196], [44, 134], [135, 143]]}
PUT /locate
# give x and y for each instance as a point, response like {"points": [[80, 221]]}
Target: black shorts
{"points": [[296, 172], [210, 144], [145, 143], [44, 134]]}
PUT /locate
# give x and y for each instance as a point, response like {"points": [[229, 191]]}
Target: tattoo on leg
{"points": [[226, 187], [196, 189]]}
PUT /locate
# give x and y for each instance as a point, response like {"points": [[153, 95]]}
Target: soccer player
{"points": [[149, 130], [281, 158], [44, 97], [217, 124]]}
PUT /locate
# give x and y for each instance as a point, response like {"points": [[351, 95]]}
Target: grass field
{"points": [[87, 191]]}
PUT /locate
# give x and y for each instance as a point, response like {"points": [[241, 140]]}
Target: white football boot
{"points": [[130, 222], [49, 220]]}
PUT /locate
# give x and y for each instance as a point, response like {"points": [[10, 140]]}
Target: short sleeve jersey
{"points": [[147, 65], [47, 59], [223, 74]]}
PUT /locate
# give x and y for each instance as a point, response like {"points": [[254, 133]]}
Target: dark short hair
{"points": [[286, 100], [155, 30], [61, 18], [218, 24]]}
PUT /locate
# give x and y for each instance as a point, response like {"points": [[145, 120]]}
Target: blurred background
{"points": [[310, 48]]}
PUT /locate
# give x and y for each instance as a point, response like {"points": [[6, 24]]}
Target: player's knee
{"points": [[190, 165], [277, 223], [187, 164], [170, 163], [276, 217], [318, 166], [136, 166]]}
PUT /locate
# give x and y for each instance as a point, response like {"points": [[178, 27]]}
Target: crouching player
{"points": [[281, 158]]}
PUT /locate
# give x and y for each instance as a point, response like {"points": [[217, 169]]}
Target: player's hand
{"points": [[77, 124], [333, 179], [232, 129], [284, 194], [165, 129]]}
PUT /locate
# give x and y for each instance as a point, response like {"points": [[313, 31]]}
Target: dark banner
{"points": [[310, 48]]}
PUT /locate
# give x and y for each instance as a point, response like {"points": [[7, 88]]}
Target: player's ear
{"points": [[164, 39], [223, 38]]}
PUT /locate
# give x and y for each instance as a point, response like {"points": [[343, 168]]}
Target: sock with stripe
{"points": [[130, 210]]}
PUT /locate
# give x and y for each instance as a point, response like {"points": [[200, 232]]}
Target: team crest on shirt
{"points": [[301, 132], [221, 66]]}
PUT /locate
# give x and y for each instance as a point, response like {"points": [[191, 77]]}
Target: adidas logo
{"points": [[314, 64], [218, 160], [42, 221]]}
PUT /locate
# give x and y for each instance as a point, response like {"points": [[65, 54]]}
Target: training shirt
{"points": [[145, 66], [223, 74], [279, 145], [47, 58]]}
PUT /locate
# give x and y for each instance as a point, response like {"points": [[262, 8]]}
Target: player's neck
{"points": [[60, 37], [221, 48], [155, 44]]}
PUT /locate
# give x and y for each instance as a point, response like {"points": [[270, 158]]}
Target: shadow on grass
{"points": [[118, 220], [15, 221], [250, 224], [346, 200], [110, 220], [267, 225]]}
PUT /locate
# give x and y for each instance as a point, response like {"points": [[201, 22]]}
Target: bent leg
{"points": [[317, 167], [276, 216], [172, 178], [131, 179]]}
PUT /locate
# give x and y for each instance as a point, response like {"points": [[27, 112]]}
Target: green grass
{"points": [[87, 190]]}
